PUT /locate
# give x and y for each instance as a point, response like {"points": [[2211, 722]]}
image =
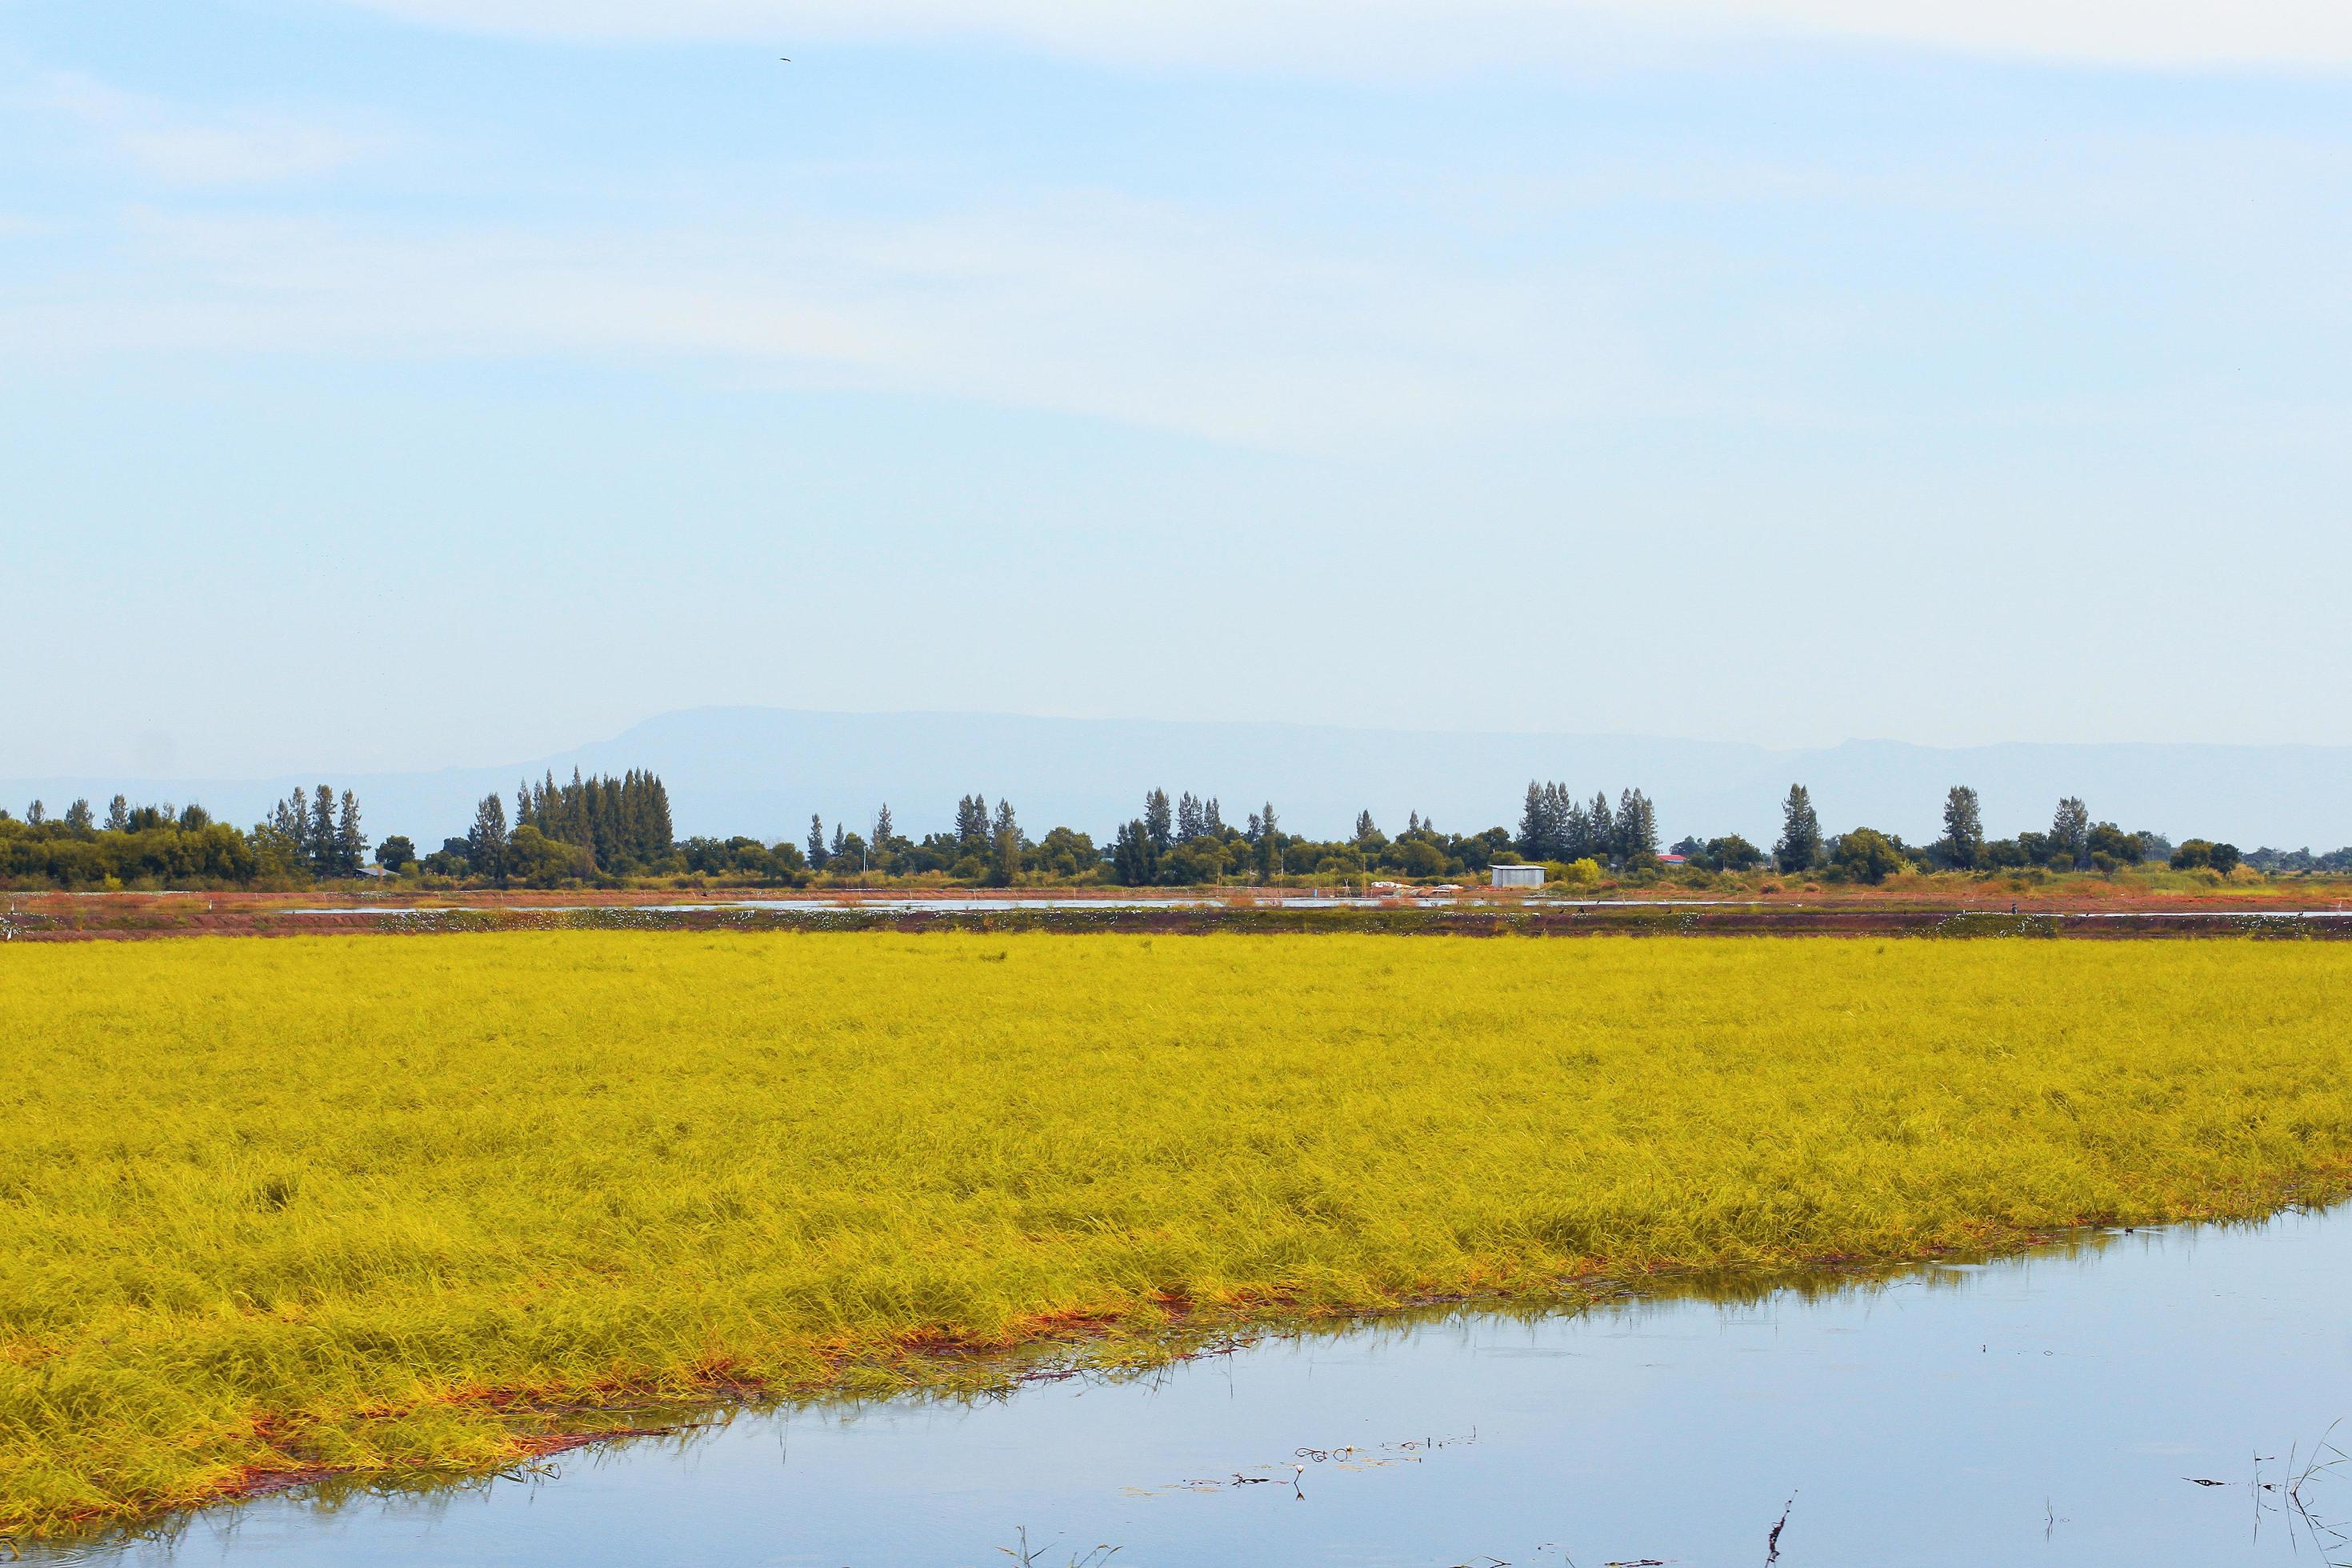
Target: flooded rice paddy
{"points": [[2158, 1397], [915, 904]]}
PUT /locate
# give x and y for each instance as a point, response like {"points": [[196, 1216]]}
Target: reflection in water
{"points": [[2166, 1397]]}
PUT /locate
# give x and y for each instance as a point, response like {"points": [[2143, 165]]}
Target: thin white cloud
{"points": [[178, 147], [1095, 305], [1385, 35]]}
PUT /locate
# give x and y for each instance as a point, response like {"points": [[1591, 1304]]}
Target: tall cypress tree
{"points": [[1963, 827], [1007, 833], [117, 815], [289, 824], [1535, 823], [1159, 821], [321, 839], [1132, 859], [1799, 849], [2070, 833], [972, 822], [818, 854], [661, 834], [1601, 828], [486, 844], [350, 844], [604, 819], [1637, 827]]}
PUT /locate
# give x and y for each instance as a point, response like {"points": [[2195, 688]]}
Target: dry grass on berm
{"points": [[277, 1203]]}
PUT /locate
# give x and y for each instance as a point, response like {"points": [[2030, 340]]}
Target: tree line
{"points": [[590, 827], [2073, 843], [608, 828]]}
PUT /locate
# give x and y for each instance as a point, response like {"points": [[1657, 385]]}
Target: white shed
{"points": [[1517, 876]]}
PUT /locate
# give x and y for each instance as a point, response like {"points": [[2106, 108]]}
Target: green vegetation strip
{"points": [[354, 1204]]}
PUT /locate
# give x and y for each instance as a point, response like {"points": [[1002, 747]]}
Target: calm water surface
{"points": [[2047, 1409]]}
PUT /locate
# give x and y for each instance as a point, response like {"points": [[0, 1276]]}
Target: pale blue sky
{"points": [[379, 391]]}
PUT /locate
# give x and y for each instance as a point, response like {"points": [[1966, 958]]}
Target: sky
{"points": [[403, 383]]}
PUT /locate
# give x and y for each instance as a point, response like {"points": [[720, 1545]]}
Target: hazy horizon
{"points": [[762, 771]]}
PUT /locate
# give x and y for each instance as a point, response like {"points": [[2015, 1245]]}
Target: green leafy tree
{"points": [[2123, 849], [2195, 854], [1419, 858], [1799, 849], [396, 854], [1964, 838], [81, 819], [1867, 855], [1733, 853], [117, 815], [1067, 856], [536, 861]]}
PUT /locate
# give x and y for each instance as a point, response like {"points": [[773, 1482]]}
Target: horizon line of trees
{"points": [[606, 828], [2074, 843]]}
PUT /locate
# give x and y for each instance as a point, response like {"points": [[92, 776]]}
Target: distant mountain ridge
{"points": [[762, 771]]}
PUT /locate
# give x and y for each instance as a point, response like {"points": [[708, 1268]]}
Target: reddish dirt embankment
{"points": [[68, 917]]}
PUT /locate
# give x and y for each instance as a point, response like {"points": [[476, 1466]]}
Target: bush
{"points": [[537, 862]]}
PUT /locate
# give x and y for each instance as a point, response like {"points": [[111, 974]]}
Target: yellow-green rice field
{"points": [[276, 1204]]}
